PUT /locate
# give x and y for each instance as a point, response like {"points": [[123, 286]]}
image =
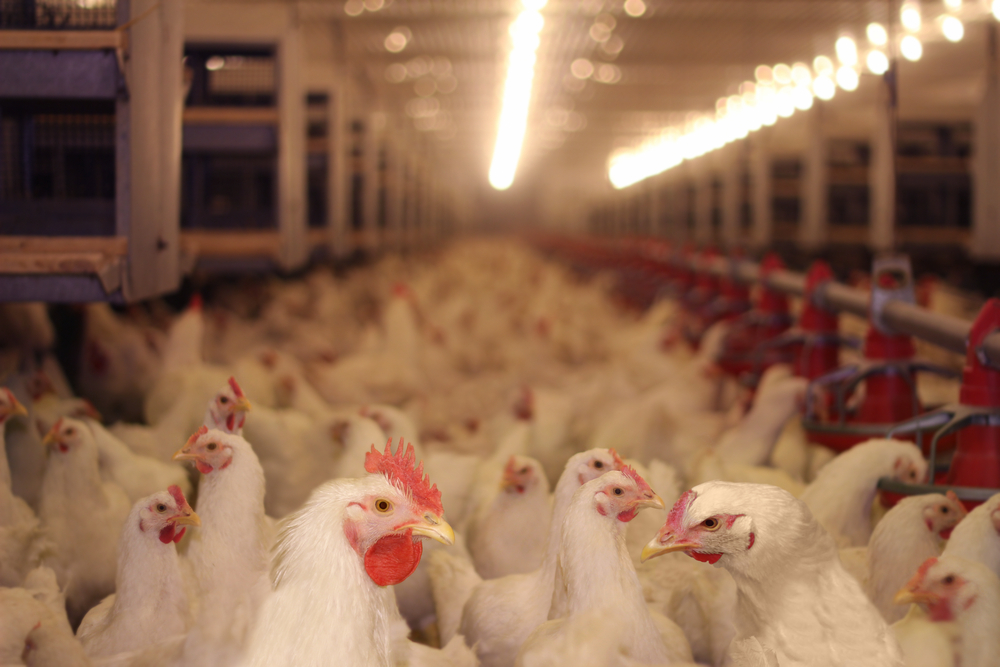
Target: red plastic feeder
{"points": [[768, 319], [888, 373], [974, 472]]}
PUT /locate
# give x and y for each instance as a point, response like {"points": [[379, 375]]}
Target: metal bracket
{"points": [[894, 266]]}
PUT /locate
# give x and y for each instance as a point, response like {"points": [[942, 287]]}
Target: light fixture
{"points": [[847, 78], [582, 68], [397, 40], [782, 74], [354, 7], [763, 74], [878, 62], [823, 66], [635, 8], [952, 29], [996, 9], [847, 51], [911, 48], [909, 15], [513, 123], [802, 98], [824, 88], [953, 4], [877, 34]]}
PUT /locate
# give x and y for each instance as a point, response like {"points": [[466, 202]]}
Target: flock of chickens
{"points": [[475, 458]]}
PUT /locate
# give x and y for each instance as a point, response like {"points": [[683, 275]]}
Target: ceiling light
{"points": [[847, 51], [824, 87], [635, 8], [354, 7], [952, 28], [215, 63], [911, 48], [801, 75], [374, 5], [395, 73], [516, 99], [802, 98], [823, 66], [996, 9], [782, 74], [877, 34], [763, 74], [397, 40], [600, 32], [953, 4], [847, 78], [582, 68], [909, 15], [878, 62], [533, 5]]}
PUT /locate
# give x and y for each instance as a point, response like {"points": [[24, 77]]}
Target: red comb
{"points": [[402, 470], [55, 427], [631, 473], [197, 434], [619, 464], [178, 495], [675, 518], [196, 302], [236, 387]]}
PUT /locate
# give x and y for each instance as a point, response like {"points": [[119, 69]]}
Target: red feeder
{"points": [[768, 319], [888, 373], [974, 473]]}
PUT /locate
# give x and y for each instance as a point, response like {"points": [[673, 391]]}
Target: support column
{"points": [[703, 232], [815, 183], [881, 174], [293, 224], [732, 194], [338, 199], [762, 228], [985, 240], [371, 157]]}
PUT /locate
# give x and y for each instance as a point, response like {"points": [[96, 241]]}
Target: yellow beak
{"points": [[17, 408], [183, 455], [435, 528], [913, 596], [50, 438], [654, 548], [241, 405], [655, 502], [190, 519]]}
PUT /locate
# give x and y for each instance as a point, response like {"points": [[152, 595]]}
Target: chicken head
{"points": [[520, 474], [593, 463], [227, 409], [66, 435], [210, 449], [10, 406], [167, 514], [384, 527], [945, 587], [623, 494]]}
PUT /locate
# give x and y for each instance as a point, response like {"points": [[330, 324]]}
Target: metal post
{"points": [[762, 230], [815, 186], [985, 241]]}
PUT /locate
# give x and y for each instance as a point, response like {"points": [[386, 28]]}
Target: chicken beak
{"points": [[51, 438], [17, 408], [435, 528], [188, 518], [241, 405], [183, 454], [655, 502], [656, 548], [908, 595]]}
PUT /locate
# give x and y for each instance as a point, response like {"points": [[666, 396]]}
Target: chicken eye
{"points": [[211, 446], [382, 505], [524, 470], [161, 508], [949, 580], [70, 431], [224, 400], [711, 523], [944, 510], [913, 474], [618, 491], [598, 464]]}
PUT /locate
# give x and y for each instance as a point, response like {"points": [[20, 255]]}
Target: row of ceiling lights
{"points": [[780, 90]]}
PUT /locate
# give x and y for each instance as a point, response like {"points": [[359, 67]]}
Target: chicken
{"points": [[909, 533], [499, 614], [336, 559], [31, 633], [82, 514], [596, 571], [977, 537], [150, 605], [963, 592], [508, 533], [22, 541], [841, 496], [229, 555], [793, 595]]}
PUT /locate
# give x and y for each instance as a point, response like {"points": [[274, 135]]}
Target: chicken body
{"points": [[977, 537], [793, 595]]}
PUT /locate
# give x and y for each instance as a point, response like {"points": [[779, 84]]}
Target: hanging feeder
{"points": [[888, 373], [974, 470], [768, 319]]}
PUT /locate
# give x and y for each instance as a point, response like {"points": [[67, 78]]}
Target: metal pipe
{"points": [[787, 282], [835, 296], [946, 331]]}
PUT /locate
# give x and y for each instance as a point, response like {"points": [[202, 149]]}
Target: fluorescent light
{"points": [[517, 95], [847, 51], [952, 28], [878, 62], [877, 34], [911, 48]]}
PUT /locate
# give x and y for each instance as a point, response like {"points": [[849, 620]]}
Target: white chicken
{"points": [[83, 515], [150, 605], [781, 559], [977, 537], [336, 560]]}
